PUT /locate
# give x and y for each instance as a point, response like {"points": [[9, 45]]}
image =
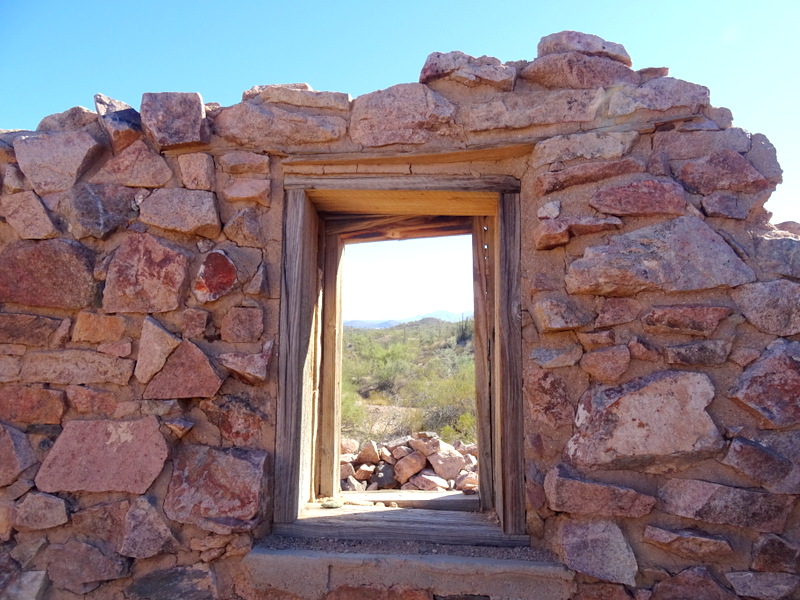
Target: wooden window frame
{"points": [[321, 215]]}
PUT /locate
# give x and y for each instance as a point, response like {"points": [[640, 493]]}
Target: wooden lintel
{"points": [[462, 183], [479, 153]]}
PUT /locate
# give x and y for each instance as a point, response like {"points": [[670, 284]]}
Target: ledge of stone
{"points": [[309, 574]]}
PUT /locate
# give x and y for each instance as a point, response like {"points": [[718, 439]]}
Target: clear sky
{"points": [[59, 54]]}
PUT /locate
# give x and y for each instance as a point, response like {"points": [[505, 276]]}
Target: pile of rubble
{"points": [[422, 461]]}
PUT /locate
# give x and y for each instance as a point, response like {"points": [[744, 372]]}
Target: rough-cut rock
{"points": [[195, 321], [39, 511], [135, 166], [28, 216], [369, 453], [187, 373], [468, 70], [186, 211], [95, 328], [704, 352], [13, 180], [617, 311], [723, 170], [772, 306], [648, 420], [547, 398], [526, 109], [677, 255], [763, 157], [28, 330], [298, 94], [9, 369], [80, 567], [730, 206], [603, 145], [409, 465], [267, 126], [188, 583], [146, 533], [763, 465], [16, 454], [597, 548], [174, 119], [244, 163], [552, 358], [689, 544], [217, 276], [77, 118], [121, 122], [776, 554], [53, 162], [778, 252], [87, 400], [608, 364], [146, 274], [568, 493], [97, 209], [24, 405], [695, 583], [659, 94], [554, 181], [771, 385], [559, 315], [557, 232], [683, 145], [408, 113], [764, 586], [29, 584], [242, 324], [197, 171], [155, 345], [104, 456], [689, 319], [246, 189], [586, 43], [49, 273], [427, 480], [447, 462], [238, 421], [75, 367], [250, 368], [577, 71], [216, 490], [592, 340], [244, 228], [715, 503], [641, 198]]}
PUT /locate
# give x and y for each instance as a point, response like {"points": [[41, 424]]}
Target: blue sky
{"points": [[59, 54]]}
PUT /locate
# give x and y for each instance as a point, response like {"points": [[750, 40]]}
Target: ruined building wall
{"points": [[140, 257]]}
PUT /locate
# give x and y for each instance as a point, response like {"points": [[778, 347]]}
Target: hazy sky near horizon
{"points": [[59, 54]]}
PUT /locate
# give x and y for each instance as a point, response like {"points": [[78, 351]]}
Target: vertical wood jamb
{"points": [[483, 287], [509, 366], [297, 305], [330, 388]]}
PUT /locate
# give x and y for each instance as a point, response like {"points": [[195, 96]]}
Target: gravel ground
{"points": [[338, 546]]}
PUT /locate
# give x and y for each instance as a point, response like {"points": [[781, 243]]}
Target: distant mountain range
{"points": [[442, 315]]}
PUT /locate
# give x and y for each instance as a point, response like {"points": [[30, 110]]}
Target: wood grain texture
{"points": [[299, 284], [481, 152], [379, 228], [483, 251], [330, 420], [377, 523], [508, 413]]}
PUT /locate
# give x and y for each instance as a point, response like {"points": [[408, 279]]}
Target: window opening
{"points": [[318, 223], [408, 404]]}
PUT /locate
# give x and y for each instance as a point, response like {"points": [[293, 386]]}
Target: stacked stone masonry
{"points": [[140, 269]]}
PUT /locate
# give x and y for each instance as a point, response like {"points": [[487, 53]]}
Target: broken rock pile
{"points": [[419, 462]]}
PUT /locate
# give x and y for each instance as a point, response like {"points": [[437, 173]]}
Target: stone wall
{"points": [[140, 287]]}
